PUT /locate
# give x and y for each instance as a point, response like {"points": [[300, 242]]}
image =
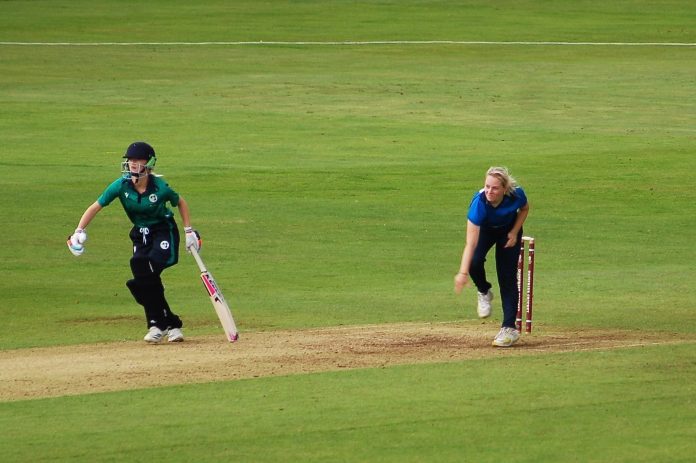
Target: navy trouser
{"points": [[154, 249], [506, 267]]}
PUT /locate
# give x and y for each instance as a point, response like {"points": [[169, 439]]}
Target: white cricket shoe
{"points": [[154, 336], [506, 337], [484, 304], [175, 335]]}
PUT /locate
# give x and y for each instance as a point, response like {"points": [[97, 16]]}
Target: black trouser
{"points": [[154, 249], [506, 268]]}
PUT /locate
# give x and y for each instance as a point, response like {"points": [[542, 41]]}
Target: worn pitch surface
{"points": [[80, 369]]}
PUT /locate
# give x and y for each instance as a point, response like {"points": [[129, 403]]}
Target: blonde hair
{"points": [[507, 181]]}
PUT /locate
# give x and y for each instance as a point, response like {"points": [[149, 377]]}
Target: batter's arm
{"points": [[184, 212], [89, 214]]}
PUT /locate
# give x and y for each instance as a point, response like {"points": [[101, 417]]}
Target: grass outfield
{"points": [[628, 405], [330, 185]]}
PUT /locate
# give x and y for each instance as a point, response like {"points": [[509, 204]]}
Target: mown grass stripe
{"points": [[374, 42]]}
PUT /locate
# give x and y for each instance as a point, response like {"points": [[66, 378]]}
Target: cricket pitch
{"points": [[59, 371]]}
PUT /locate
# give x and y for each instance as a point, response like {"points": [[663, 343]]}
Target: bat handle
{"points": [[199, 261]]}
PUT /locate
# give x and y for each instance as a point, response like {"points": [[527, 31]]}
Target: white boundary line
{"points": [[328, 43]]}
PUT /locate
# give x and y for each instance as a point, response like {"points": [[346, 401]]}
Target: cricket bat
{"points": [[218, 300]]}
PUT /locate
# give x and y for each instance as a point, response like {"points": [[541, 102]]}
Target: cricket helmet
{"points": [[138, 150]]}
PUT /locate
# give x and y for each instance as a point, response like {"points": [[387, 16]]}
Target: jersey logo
{"points": [[164, 245], [153, 198]]}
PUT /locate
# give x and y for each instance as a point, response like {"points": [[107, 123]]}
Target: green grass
{"points": [[123, 21], [330, 184], [633, 405]]}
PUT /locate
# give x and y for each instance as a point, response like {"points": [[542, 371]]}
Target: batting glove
{"points": [[76, 242], [193, 239]]}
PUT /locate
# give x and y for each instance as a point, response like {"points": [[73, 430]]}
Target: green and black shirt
{"points": [[144, 210]]}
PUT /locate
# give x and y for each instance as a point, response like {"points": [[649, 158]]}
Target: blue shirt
{"points": [[481, 213]]}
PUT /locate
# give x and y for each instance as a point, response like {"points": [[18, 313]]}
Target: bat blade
{"points": [[221, 307], [219, 304]]}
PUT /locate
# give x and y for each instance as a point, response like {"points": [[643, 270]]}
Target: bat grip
{"points": [[198, 259]]}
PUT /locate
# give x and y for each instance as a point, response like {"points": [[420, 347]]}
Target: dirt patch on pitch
{"points": [[59, 371]]}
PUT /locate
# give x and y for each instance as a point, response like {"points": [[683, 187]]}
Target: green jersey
{"points": [[144, 210]]}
